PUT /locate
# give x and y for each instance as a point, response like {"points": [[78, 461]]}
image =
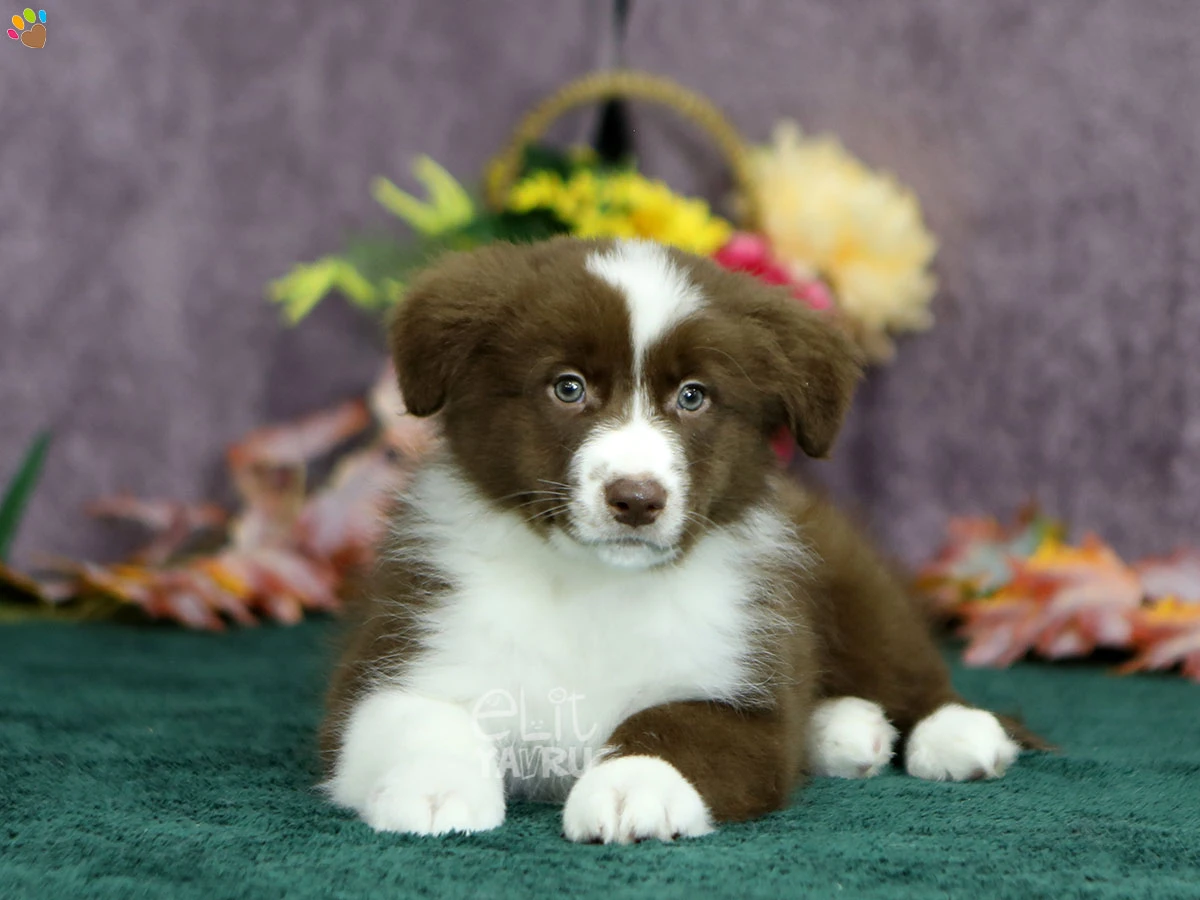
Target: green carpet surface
{"points": [[149, 762]]}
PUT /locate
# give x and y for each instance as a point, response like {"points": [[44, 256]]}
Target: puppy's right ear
{"points": [[441, 321]]}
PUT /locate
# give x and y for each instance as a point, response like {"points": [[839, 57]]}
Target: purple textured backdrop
{"points": [[161, 162], [1055, 149]]}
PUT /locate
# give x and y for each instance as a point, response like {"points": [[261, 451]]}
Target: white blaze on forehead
{"points": [[637, 443], [657, 292]]}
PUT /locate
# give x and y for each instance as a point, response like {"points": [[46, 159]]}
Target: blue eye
{"points": [[570, 388], [692, 397]]}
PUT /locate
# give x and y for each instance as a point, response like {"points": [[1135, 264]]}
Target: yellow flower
{"points": [[594, 223], [623, 204], [828, 215], [538, 190]]}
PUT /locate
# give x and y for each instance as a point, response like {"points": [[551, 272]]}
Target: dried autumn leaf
{"points": [[1096, 597], [410, 436], [190, 597], [303, 440], [1004, 627], [1063, 602], [1177, 575], [1167, 634], [171, 522], [269, 469], [289, 547], [273, 498], [343, 521], [279, 584], [51, 590], [1025, 590], [980, 556], [126, 583], [284, 573]]}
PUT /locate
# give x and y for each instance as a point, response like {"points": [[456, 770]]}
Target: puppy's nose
{"points": [[635, 501]]}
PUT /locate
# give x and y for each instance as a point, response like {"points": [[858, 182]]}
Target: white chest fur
{"points": [[549, 651]]}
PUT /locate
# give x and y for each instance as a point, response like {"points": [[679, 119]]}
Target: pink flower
{"points": [[784, 446], [815, 294], [751, 253]]}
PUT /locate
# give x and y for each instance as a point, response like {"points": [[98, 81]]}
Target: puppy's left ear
{"points": [[441, 322], [815, 369]]}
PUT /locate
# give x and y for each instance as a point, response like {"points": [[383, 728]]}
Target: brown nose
{"points": [[635, 501]]}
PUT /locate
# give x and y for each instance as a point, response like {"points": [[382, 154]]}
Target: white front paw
{"points": [[850, 738], [633, 798], [958, 743], [431, 794]]}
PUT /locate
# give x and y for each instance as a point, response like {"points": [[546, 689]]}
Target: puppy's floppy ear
{"points": [[815, 368], [441, 321]]}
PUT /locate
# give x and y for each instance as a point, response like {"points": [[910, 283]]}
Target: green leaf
{"points": [[517, 227], [380, 257], [301, 289], [20, 489], [540, 158], [446, 195], [448, 207], [357, 289], [534, 225], [308, 284], [393, 291]]}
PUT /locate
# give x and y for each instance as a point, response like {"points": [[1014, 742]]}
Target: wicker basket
{"points": [[598, 87]]}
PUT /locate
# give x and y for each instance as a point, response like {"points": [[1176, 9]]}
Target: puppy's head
{"points": [[620, 396]]}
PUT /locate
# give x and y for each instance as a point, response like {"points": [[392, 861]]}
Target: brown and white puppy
{"points": [[603, 589]]}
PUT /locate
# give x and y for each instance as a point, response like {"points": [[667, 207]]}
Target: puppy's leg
{"points": [[674, 770], [876, 645], [412, 764]]}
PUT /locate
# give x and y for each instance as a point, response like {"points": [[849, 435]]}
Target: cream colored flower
{"points": [[827, 215]]}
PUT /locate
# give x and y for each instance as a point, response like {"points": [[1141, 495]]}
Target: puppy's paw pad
{"points": [[633, 798], [429, 795], [958, 743], [850, 738]]}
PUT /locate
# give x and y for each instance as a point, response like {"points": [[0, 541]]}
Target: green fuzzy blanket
{"points": [[149, 762]]}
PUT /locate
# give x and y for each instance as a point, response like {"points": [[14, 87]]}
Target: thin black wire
{"points": [[613, 139]]}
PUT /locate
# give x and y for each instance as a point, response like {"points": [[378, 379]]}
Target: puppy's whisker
{"points": [[547, 497], [516, 494], [548, 513], [534, 501]]}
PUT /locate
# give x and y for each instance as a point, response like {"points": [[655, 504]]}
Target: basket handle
{"points": [[502, 171]]}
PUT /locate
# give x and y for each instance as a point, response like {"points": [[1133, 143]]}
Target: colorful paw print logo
{"points": [[29, 29]]}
